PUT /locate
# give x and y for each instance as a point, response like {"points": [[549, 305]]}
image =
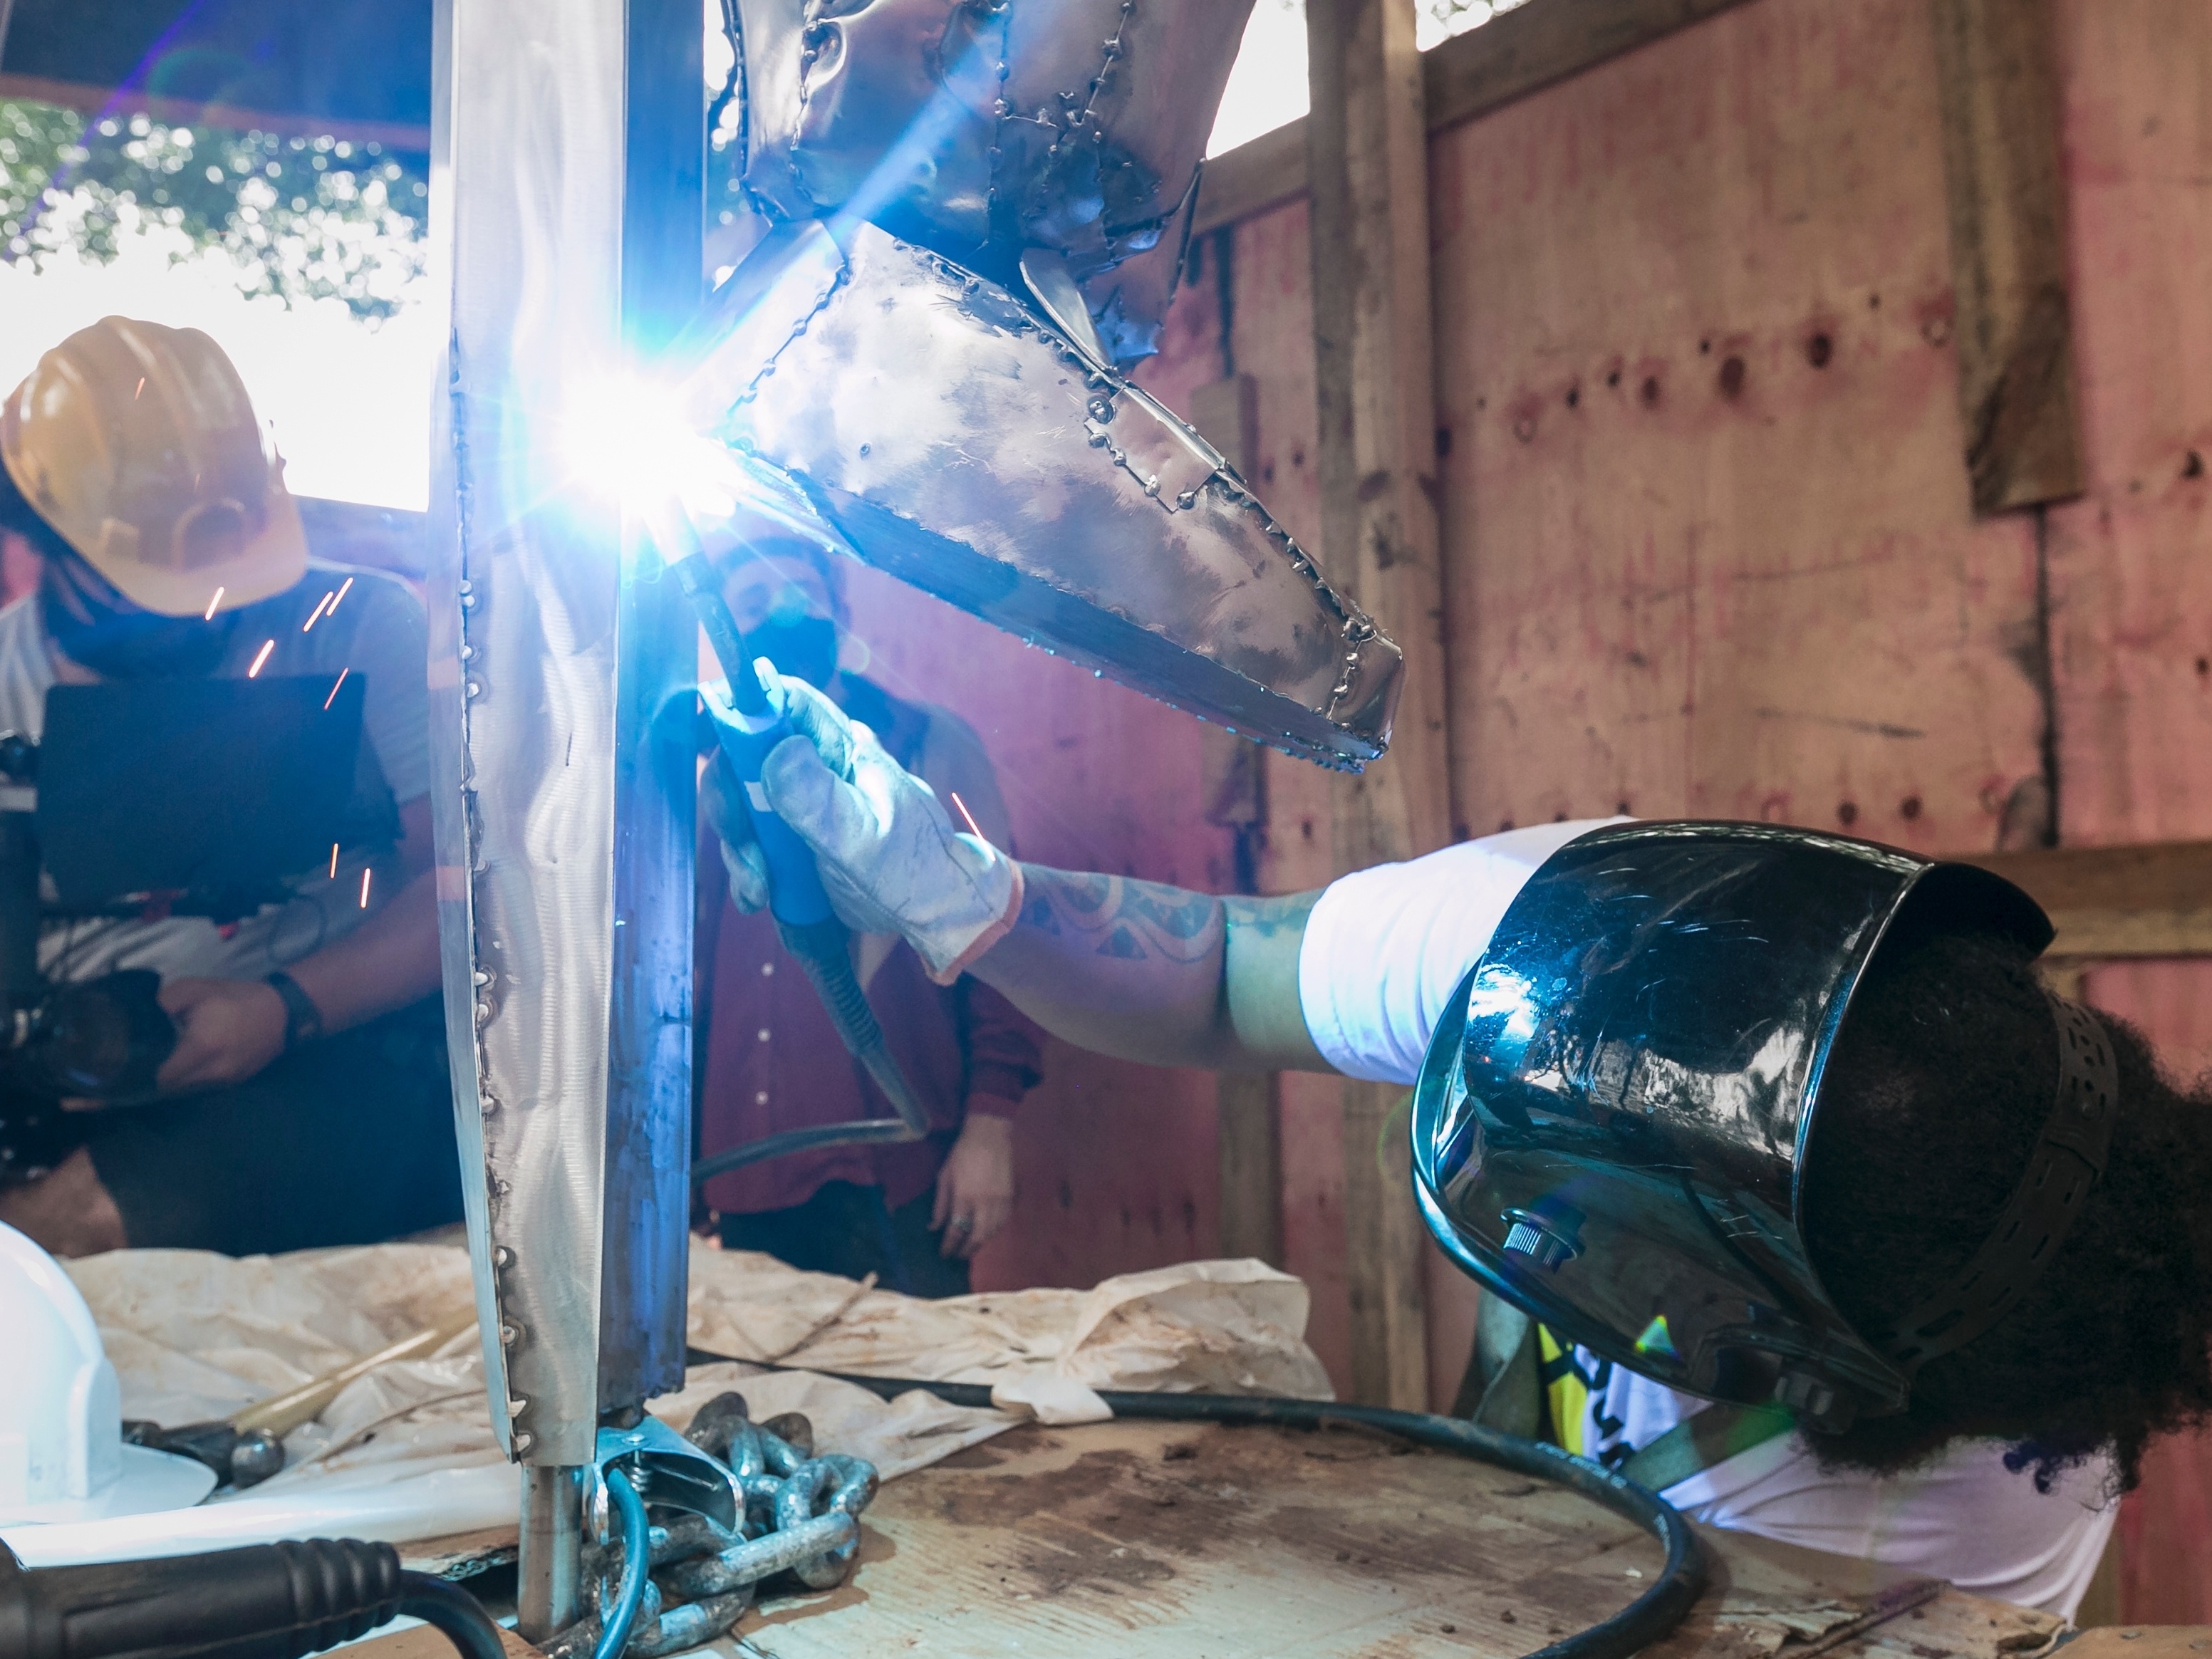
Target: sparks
{"points": [[324, 603], [142, 386], [212, 605], [260, 658], [334, 697], [334, 860], [336, 598], [974, 828], [364, 875]]}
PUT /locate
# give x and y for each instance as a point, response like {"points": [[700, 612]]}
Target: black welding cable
{"points": [[1636, 1625], [452, 1610]]}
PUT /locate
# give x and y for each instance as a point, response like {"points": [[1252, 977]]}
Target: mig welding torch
{"points": [[805, 921]]}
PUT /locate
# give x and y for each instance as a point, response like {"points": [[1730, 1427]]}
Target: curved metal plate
{"points": [[984, 130], [946, 434]]}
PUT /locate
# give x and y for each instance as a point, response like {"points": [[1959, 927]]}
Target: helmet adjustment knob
{"points": [[1544, 1236]]}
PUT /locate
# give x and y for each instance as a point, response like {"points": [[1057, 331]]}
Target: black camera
{"points": [[100, 1039]]}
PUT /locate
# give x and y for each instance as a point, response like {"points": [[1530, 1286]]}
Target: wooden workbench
{"points": [[1167, 1541]]}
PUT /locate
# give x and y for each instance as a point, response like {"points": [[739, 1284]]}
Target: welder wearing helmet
{"points": [[913, 1214], [311, 1102], [1741, 1115]]}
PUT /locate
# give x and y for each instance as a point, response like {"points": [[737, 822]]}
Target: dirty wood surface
{"points": [[1165, 1540]]}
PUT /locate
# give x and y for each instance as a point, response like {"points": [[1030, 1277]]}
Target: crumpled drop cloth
{"points": [[1201, 1328], [406, 1452]]}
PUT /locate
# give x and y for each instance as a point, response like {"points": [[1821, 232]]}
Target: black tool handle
{"points": [[267, 1601]]}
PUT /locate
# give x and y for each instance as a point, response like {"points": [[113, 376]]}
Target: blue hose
{"points": [[615, 1621]]}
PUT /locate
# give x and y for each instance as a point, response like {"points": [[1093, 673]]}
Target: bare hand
{"points": [[226, 1030], [975, 1188]]}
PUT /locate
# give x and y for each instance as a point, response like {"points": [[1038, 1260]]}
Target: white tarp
{"points": [[406, 1453]]}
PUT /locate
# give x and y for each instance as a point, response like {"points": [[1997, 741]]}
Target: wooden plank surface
{"points": [[2008, 251], [1367, 150], [1469, 74], [2148, 900], [1169, 1540], [1712, 545], [2142, 1642], [2131, 579], [1251, 1148]]}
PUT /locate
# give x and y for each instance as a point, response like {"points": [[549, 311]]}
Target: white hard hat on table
{"points": [[62, 1455]]}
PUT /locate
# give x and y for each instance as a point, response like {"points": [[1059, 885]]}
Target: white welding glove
{"points": [[890, 857]]}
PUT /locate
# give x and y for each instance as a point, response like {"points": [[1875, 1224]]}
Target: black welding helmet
{"points": [[1611, 1124]]}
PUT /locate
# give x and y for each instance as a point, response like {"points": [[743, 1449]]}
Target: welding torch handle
{"points": [[805, 919], [696, 574]]}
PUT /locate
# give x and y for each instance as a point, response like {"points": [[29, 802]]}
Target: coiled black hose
{"points": [[1636, 1625]]}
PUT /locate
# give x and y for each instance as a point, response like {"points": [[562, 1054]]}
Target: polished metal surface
{"points": [[549, 1579], [567, 141], [932, 423], [985, 127], [1611, 1124]]}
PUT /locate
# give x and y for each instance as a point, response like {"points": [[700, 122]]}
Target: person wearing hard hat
{"points": [[308, 1102]]}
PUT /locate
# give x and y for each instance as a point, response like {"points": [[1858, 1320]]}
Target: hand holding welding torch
{"points": [[890, 858], [753, 713]]}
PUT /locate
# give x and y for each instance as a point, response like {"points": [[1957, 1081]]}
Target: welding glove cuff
{"points": [[889, 856]]}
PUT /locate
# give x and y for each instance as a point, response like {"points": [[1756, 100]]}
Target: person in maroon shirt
{"points": [[915, 1214]]}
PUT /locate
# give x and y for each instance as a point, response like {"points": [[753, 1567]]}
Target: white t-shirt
{"points": [[376, 633], [1383, 951]]}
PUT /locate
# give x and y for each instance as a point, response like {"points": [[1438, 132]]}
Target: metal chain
{"points": [[802, 1517]]}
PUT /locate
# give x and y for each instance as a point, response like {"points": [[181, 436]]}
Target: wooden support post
{"points": [[1247, 1125], [2007, 208], [1367, 156]]}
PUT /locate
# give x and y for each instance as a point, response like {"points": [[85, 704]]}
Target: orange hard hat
{"points": [[138, 445]]}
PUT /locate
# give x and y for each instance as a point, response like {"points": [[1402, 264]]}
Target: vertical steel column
{"points": [[567, 140]]}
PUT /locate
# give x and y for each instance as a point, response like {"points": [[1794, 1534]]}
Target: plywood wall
{"points": [[1709, 552], [2131, 577]]}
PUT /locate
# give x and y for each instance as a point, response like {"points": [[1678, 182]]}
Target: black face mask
{"points": [[96, 628], [802, 645]]}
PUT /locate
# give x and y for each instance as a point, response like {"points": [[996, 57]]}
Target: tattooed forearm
{"points": [[1151, 972], [1121, 917]]}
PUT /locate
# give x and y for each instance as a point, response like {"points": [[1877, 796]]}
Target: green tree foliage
{"points": [[301, 218]]}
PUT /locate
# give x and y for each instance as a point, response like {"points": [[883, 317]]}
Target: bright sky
{"points": [[350, 405]]}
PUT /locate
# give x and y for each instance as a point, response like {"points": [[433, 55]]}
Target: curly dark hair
{"points": [[1944, 1073]]}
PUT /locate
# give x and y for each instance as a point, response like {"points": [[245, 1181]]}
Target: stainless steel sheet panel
{"points": [[553, 825], [983, 130], [945, 432]]}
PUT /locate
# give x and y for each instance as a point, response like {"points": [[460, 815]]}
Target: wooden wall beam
{"points": [[2009, 266], [1367, 157], [2113, 902], [1233, 787], [1467, 76]]}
